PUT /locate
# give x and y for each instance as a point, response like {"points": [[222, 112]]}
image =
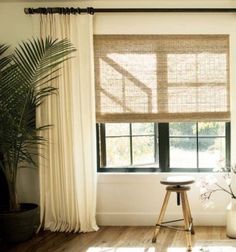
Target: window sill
{"points": [[145, 178]]}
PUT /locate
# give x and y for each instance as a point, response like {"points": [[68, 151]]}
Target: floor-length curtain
{"points": [[68, 162]]}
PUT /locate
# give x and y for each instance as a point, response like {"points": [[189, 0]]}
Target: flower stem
{"points": [[230, 188], [223, 189]]}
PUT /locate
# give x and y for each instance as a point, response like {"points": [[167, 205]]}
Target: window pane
{"points": [[211, 129], [118, 151], [182, 129], [117, 129], [211, 152], [142, 128], [143, 150], [183, 153]]}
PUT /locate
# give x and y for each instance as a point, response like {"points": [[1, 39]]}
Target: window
{"points": [[163, 147], [199, 145], [162, 102], [129, 145]]}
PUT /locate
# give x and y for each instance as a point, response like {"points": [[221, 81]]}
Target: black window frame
{"points": [[161, 132]]}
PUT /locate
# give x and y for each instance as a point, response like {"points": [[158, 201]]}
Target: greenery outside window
{"points": [[165, 147]]}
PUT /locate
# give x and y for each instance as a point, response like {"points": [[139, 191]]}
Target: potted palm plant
{"points": [[26, 77]]}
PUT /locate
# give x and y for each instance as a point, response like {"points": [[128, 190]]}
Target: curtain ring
{"points": [[90, 10], [72, 10], [43, 11], [67, 11], [62, 11]]}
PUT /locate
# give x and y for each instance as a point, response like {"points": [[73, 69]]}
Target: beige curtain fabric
{"points": [[162, 78], [68, 162]]}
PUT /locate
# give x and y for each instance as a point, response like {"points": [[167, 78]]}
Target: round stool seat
{"points": [[177, 180]]}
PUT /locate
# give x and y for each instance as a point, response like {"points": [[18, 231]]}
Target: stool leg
{"points": [[186, 222], [189, 213], [161, 216]]}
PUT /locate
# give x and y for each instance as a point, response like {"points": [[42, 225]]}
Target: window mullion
{"points": [[197, 147], [98, 147], [155, 143], [227, 145], [164, 152], [131, 144], [103, 145]]}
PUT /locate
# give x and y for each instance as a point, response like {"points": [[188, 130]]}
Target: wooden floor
{"points": [[117, 239]]}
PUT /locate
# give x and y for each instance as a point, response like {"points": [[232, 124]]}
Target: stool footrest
{"points": [[166, 222], [176, 228]]}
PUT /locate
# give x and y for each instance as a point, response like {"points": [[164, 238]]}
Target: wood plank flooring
{"points": [[115, 239]]}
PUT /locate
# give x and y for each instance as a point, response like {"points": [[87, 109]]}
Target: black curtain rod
{"points": [[91, 10]]}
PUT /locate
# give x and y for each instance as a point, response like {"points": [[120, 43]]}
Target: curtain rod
{"points": [[91, 10]]}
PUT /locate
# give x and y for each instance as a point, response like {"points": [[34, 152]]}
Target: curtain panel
{"points": [[68, 161], [162, 78]]}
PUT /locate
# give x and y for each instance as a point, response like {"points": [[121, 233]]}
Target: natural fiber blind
{"points": [[162, 78]]}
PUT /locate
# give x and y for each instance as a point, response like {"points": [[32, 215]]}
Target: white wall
{"points": [[135, 199]]}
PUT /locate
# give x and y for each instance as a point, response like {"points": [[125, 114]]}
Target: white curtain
{"points": [[68, 163]]}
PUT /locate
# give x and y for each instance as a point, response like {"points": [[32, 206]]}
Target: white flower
{"points": [[203, 190], [228, 181], [211, 180]]}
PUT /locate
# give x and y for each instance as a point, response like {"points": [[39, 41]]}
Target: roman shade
{"points": [[162, 78]]}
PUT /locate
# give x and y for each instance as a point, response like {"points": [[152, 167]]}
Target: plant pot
{"points": [[231, 219], [19, 226]]}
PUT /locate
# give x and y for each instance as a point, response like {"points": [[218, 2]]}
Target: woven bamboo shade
{"points": [[162, 78]]}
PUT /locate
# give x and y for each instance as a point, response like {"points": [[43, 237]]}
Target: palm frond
{"points": [[4, 61], [26, 79]]}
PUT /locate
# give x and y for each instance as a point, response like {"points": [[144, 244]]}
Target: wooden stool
{"points": [[177, 184]]}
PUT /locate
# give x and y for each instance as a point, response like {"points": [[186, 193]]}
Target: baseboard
{"points": [[146, 219]]}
